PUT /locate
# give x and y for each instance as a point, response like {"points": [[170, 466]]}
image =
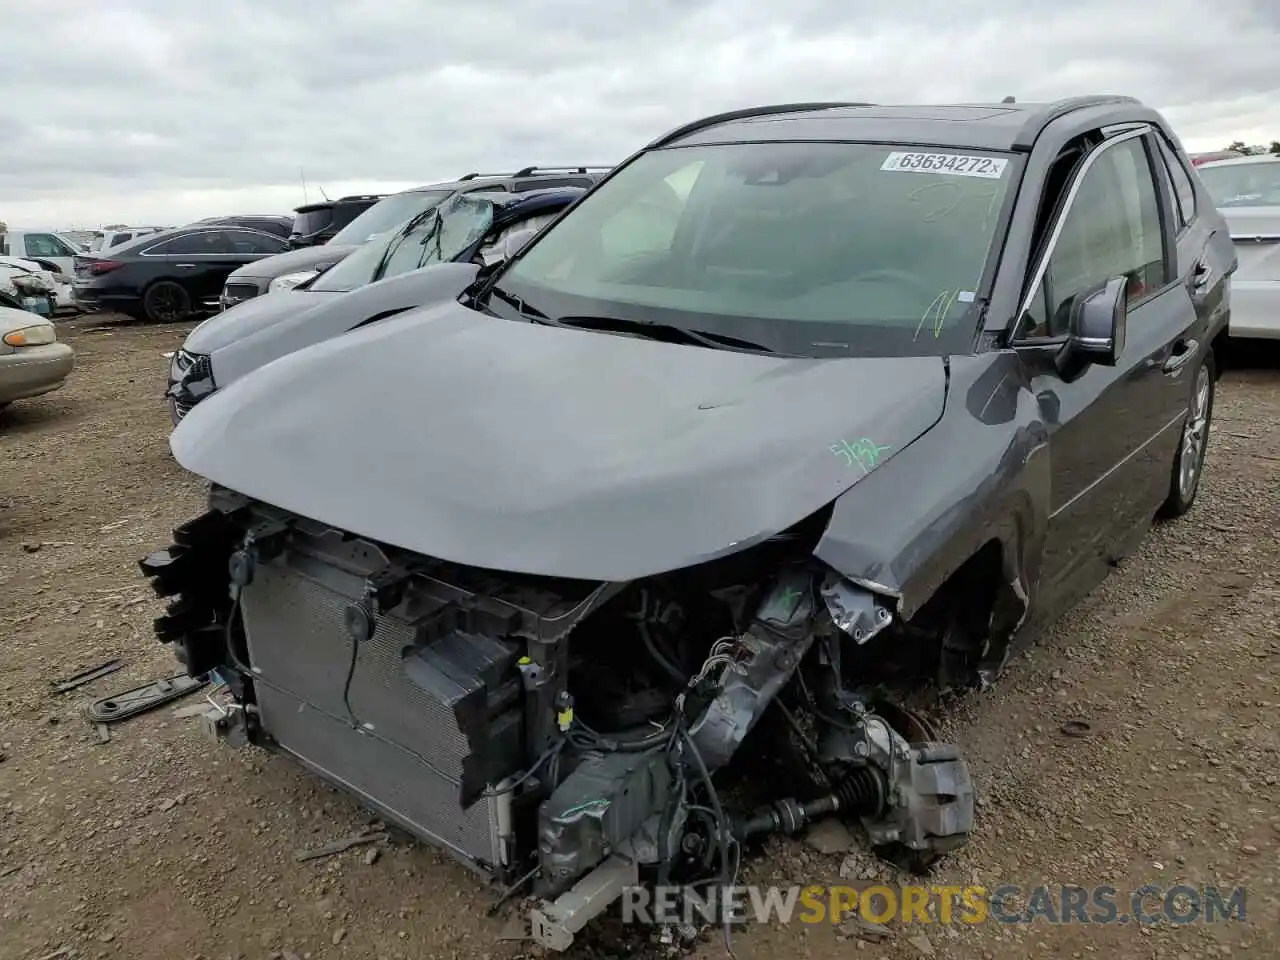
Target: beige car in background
{"points": [[32, 360]]}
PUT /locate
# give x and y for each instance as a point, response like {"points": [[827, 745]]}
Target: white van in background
{"points": [[50, 249], [114, 238]]}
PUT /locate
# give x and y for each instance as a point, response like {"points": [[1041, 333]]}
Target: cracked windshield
{"points": [[433, 236]]}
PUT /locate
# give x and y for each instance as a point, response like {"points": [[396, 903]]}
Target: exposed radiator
{"points": [[405, 753]]}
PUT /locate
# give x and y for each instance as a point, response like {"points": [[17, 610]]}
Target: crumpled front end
{"points": [[190, 381], [573, 735]]}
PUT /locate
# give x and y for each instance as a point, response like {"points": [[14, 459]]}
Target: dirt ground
{"points": [[159, 845]]}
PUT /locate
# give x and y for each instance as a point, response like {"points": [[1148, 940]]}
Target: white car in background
{"points": [[114, 238], [50, 249], [16, 267], [1247, 191]]}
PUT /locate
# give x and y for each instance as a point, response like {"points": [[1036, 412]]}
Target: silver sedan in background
{"points": [[32, 360], [1247, 191]]}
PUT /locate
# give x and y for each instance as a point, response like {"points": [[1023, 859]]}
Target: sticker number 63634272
{"points": [[991, 168]]}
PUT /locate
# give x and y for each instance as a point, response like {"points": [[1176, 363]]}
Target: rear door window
{"points": [[194, 245], [247, 241], [1183, 191]]}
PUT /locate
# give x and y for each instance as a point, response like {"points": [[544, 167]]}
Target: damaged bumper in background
{"points": [[574, 735]]}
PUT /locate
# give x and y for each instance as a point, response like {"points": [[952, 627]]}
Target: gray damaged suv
{"points": [[617, 558], [287, 270]]}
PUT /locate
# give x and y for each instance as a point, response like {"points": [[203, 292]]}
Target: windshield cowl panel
{"points": [[816, 249]]}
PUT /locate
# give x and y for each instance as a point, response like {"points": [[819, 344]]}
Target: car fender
{"points": [[980, 475]]}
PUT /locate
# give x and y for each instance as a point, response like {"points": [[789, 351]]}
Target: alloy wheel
{"points": [[1195, 436]]}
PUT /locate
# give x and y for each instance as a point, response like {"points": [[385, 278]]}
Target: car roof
{"points": [[150, 239], [547, 195], [1238, 161], [486, 182], [977, 126]]}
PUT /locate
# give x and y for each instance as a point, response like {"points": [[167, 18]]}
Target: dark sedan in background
{"points": [[169, 276], [384, 277], [279, 225]]}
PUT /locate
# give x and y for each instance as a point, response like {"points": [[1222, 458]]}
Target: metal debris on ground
{"points": [[130, 703], [340, 846], [855, 926], [104, 733], [86, 676], [1078, 728]]}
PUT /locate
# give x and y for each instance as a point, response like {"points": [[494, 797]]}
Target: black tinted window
{"points": [[313, 221], [278, 228], [1182, 188], [246, 241], [344, 213], [194, 244]]}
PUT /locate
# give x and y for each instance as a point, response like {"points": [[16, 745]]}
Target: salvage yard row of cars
{"points": [[542, 517]]}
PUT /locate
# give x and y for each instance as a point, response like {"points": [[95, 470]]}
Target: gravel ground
{"points": [[157, 845]]}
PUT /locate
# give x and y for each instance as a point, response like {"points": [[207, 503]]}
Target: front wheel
{"points": [[166, 302], [1188, 462]]}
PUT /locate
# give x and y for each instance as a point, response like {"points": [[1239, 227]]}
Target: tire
{"points": [[166, 302], [1188, 461]]}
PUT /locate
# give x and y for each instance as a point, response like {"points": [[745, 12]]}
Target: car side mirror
{"points": [[1096, 326]]}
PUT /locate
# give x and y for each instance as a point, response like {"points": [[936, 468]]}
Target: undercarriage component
{"points": [[597, 807], [761, 663], [854, 610], [554, 925], [130, 703], [915, 801], [86, 676], [556, 735]]}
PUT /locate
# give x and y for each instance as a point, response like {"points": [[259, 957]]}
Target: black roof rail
{"points": [[530, 171], [746, 114], [1037, 122]]}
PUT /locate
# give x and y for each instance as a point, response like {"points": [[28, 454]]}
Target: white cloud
{"points": [[166, 110]]}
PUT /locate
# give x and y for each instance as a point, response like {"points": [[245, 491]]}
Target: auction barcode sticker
{"points": [[991, 168]]}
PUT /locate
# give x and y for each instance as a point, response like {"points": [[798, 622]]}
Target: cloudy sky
{"points": [[161, 111]]}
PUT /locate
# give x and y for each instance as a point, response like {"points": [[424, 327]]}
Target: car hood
{"points": [[250, 317], [569, 453], [294, 261]]}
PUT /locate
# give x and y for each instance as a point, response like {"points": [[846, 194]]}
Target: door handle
{"points": [[1183, 352], [1201, 274], [186, 266]]}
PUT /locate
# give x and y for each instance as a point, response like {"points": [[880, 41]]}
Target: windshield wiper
{"points": [[404, 232], [661, 331], [526, 311], [651, 329]]}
